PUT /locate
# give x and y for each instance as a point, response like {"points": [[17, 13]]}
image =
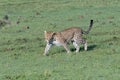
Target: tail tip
{"points": [[91, 20]]}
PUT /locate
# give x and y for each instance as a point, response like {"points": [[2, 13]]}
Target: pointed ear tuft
{"points": [[45, 31]]}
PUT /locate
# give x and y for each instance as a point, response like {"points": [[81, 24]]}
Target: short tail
{"points": [[90, 26]]}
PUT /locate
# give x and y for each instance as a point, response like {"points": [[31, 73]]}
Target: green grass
{"points": [[21, 49]]}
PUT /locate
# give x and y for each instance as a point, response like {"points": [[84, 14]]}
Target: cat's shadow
{"points": [[89, 48]]}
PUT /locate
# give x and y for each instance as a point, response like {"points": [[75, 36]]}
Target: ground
{"points": [[22, 42]]}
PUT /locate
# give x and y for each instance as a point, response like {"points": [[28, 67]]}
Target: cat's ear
{"points": [[45, 31]]}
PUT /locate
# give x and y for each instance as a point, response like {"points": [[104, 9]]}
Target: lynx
{"points": [[62, 38]]}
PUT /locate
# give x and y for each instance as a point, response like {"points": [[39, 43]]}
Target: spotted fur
{"points": [[62, 38]]}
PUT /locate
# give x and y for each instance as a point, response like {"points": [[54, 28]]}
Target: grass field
{"points": [[22, 44]]}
